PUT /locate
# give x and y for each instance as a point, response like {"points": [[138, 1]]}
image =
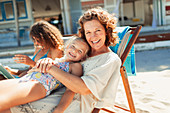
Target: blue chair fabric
{"points": [[130, 63]]}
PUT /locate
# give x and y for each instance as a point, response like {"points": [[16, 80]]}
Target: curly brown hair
{"points": [[107, 20], [47, 34]]}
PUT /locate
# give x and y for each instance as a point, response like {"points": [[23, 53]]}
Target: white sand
{"points": [[150, 92]]}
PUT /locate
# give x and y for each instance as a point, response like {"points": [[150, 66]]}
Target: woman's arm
{"points": [[71, 81]]}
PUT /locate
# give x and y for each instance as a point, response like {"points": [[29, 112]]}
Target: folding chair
{"points": [[123, 51]]}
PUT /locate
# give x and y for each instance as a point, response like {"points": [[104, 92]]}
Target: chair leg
{"points": [[95, 110], [127, 89]]}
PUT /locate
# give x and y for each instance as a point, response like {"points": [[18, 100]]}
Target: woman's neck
{"points": [[99, 51]]}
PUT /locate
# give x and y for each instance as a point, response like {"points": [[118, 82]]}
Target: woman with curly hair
{"points": [[101, 70]]}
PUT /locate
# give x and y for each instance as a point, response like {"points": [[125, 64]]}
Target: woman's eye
{"points": [[97, 30], [80, 51], [87, 32]]}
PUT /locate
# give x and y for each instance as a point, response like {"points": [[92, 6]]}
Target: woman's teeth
{"points": [[95, 41]]}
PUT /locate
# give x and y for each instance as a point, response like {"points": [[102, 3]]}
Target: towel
{"points": [[130, 60]]}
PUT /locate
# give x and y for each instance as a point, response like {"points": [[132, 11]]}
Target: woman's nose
{"points": [[93, 35]]}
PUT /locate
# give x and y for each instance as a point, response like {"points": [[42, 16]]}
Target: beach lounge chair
{"points": [[123, 49]]}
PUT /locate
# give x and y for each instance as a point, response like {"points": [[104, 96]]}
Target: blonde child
{"points": [[36, 85]]}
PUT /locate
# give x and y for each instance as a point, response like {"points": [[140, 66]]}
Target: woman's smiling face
{"points": [[95, 34]]}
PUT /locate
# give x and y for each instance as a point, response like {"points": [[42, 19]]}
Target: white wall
{"points": [[128, 9], [167, 17], [139, 7]]}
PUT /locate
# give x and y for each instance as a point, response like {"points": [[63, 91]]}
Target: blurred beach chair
{"points": [[126, 52]]}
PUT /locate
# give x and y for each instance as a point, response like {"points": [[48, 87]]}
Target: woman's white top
{"points": [[101, 76]]}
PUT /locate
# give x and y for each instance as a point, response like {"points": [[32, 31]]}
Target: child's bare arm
{"points": [[65, 101], [67, 97]]}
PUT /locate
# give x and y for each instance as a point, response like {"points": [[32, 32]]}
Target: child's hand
{"points": [[8, 68], [24, 59], [12, 71]]}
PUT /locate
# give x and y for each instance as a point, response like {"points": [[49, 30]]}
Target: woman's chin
{"points": [[97, 47]]}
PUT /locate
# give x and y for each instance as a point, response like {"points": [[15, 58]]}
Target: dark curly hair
{"points": [[47, 34], [107, 20]]}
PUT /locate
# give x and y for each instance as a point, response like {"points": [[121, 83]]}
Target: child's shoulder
{"points": [[75, 65], [76, 69]]}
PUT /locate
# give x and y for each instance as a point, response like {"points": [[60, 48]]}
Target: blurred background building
{"points": [[153, 15]]}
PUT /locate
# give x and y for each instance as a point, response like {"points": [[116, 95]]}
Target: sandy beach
{"points": [[150, 91], [150, 87]]}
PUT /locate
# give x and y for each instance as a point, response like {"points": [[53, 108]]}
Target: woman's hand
{"points": [[24, 59], [43, 65]]}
